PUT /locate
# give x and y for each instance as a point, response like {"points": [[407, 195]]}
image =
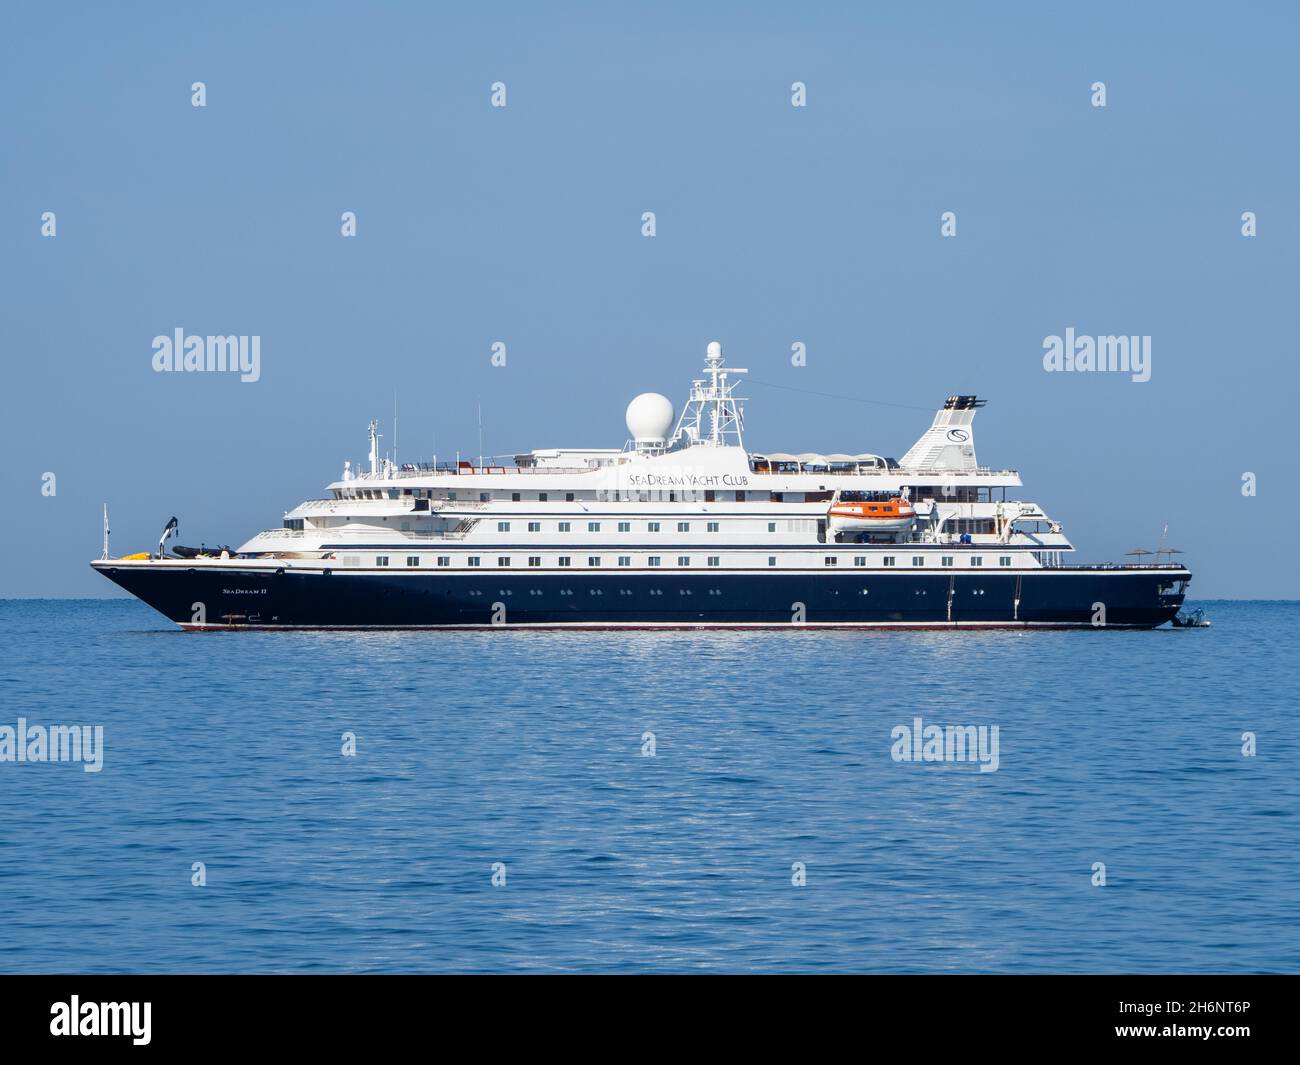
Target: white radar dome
{"points": [[650, 418]]}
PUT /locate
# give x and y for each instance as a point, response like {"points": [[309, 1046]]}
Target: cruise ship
{"points": [[682, 527]]}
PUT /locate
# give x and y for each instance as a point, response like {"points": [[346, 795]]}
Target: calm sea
{"points": [[529, 749]]}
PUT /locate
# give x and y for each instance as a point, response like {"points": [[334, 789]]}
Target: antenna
{"points": [[105, 555], [394, 427], [374, 447], [712, 400], [480, 434]]}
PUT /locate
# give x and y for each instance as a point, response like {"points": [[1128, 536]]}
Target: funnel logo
{"points": [[958, 436]]}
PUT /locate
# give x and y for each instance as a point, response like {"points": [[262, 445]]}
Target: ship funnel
{"points": [[949, 443]]}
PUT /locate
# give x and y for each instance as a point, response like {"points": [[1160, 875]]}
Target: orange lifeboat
{"points": [[882, 515]]}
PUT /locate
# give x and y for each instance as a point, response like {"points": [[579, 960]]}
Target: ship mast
{"points": [[716, 399]]}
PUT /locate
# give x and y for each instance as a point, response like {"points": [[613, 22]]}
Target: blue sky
{"points": [[775, 224]]}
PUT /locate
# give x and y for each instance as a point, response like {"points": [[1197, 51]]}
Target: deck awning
{"points": [[817, 459], [813, 458]]}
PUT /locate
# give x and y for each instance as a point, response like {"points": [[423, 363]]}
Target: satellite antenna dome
{"points": [[649, 419], [714, 350]]}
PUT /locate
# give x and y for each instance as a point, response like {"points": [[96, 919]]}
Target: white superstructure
{"points": [[687, 495]]}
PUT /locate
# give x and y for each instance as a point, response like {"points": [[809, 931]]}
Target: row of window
{"points": [[563, 560], [600, 495], [919, 560], [428, 493], [623, 526], [948, 493], [682, 560]]}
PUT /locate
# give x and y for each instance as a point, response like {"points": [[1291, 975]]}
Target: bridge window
{"points": [[1004, 560], [712, 526], [976, 560], [625, 560], [412, 560], [473, 560], [653, 560], [918, 560], [715, 560], [683, 560], [534, 526], [593, 526], [534, 560], [564, 526], [593, 560], [503, 560], [946, 560], [444, 560], [564, 560], [381, 560], [831, 560], [624, 526], [652, 526], [683, 526], [503, 526]]}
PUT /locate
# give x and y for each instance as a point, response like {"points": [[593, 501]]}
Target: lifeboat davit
{"points": [[871, 516]]}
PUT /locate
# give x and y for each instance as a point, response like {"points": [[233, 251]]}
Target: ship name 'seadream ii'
{"points": [[682, 527]]}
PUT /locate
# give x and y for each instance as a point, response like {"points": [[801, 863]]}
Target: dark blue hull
{"points": [[224, 596]]}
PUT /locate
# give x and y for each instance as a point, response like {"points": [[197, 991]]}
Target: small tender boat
{"points": [[1195, 620], [202, 552], [884, 515]]}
